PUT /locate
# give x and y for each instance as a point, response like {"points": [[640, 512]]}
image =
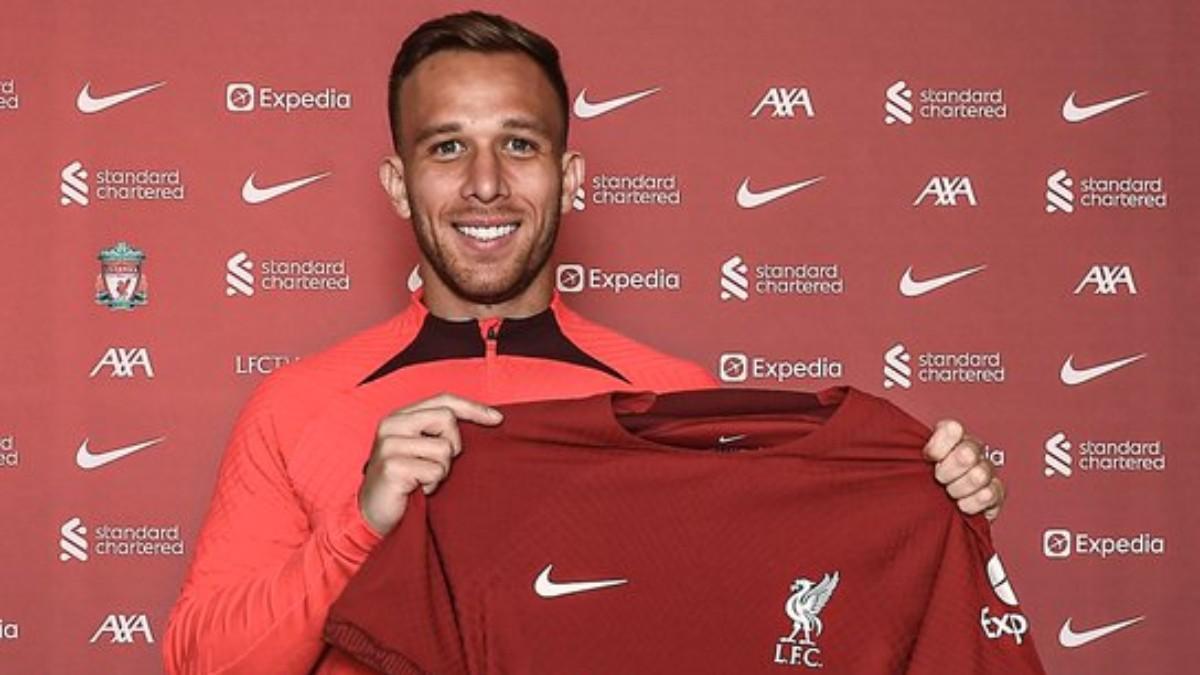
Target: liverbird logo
{"points": [[805, 604], [802, 607]]}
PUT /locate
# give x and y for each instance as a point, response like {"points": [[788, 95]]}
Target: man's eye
{"points": [[447, 148], [521, 146]]}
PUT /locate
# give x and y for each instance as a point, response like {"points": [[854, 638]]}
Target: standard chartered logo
{"points": [[1058, 456], [806, 279], [73, 187], [239, 277], [1058, 193], [1063, 458], [734, 283], [896, 371], [72, 542], [898, 104], [579, 199]]}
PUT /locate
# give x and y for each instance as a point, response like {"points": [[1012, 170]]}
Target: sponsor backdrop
{"points": [[983, 211]]}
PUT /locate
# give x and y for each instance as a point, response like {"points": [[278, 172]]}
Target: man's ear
{"points": [[391, 176], [572, 179]]}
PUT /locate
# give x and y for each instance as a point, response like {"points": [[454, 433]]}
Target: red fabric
{"points": [[709, 544], [283, 533]]}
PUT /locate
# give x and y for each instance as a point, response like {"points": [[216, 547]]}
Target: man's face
{"points": [[482, 170]]}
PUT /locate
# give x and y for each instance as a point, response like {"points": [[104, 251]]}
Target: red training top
{"points": [[722, 531], [283, 533]]}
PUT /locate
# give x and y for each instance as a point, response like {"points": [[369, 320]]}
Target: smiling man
{"points": [[326, 452]]}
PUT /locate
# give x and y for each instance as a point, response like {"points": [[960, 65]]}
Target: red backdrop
{"points": [[1076, 270]]}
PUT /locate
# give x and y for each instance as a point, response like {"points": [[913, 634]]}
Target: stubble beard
{"points": [[460, 279]]}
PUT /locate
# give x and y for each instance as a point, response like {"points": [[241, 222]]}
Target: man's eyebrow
{"points": [[526, 124], [429, 132]]}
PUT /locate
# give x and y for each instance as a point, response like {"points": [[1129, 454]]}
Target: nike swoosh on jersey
{"points": [[1075, 113], [87, 104], [546, 588], [585, 110], [93, 460], [722, 440], [1072, 376], [749, 199], [911, 288], [1070, 639], [252, 194]]}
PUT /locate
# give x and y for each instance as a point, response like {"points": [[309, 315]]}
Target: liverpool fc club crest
{"points": [[803, 607], [121, 284]]}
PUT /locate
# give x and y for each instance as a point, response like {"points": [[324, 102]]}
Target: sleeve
{"points": [[972, 623], [397, 615], [262, 578]]}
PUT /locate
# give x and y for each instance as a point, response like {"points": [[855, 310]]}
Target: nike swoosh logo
{"points": [[1071, 376], [585, 110], [87, 104], [911, 288], [1075, 113], [1070, 639], [251, 194], [551, 589], [722, 440], [93, 460], [748, 199]]}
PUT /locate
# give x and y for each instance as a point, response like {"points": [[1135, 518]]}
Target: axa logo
{"points": [[124, 362], [734, 283], [239, 275], [1108, 280], [803, 608], [896, 369], [1059, 197], [783, 102], [1058, 456], [897, 104], [946, 190], [73, 184], [72, 543], [124, 629]]}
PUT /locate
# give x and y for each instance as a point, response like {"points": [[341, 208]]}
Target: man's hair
{"points": [[477, 32]]}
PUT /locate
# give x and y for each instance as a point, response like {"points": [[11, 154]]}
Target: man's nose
{"points": [[485, 178]]}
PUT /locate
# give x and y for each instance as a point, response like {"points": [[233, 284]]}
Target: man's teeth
{"points": [[488, 233]]}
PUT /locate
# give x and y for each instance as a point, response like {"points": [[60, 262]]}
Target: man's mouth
{"points": [[486, 232]]}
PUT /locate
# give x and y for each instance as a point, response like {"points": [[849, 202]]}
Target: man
{"points": [[479, 117]]}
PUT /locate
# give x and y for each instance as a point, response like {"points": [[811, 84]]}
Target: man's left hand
{"points": [[969, 477]]}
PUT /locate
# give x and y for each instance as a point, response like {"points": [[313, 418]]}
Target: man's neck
{"points": [[441, 302]]}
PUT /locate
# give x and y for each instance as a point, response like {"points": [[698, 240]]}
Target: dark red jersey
{"points": [[720, 531]]}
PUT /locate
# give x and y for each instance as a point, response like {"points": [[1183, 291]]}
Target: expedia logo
{"points": [[1062, 543], [244, 97], [575, 278], [735, 367]]}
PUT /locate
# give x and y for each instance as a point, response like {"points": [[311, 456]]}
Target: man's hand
{"points": [[414, 447], [969, 477]]}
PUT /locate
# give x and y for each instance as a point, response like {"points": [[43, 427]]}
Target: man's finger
{"points": [[946, 435], [463, 409], [430, 449], [956, 464], [979, 478], [977, 501], [438, 422]]}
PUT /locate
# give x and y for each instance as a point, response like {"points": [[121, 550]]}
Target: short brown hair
{"points": [[477, 32]]}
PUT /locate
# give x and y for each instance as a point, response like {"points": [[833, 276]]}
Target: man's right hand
{"points": [[414, 447]]}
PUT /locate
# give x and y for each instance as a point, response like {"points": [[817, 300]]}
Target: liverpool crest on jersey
{"points": [[121, 283], [803, 608]]}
